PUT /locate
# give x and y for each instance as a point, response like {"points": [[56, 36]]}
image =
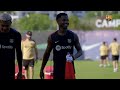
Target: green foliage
{"points": [[116, 16], [91, 14], [40, 22], [81, 23], [87, 24], [53, 25], [7, 11], [74, 22], [33, 22]]}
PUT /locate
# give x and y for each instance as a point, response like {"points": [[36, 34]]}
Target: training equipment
{"points": [[17, 70], [48, 72], [69, 69], [69, 58]]}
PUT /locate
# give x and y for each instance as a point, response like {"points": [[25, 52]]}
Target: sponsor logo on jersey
{"points": [[58, 47], [6, 47], [69, 40], [11, 40], [56, 41]]}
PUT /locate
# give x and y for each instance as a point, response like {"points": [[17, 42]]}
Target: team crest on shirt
{"points": [[69, 40], [11, 40], [58, 47]]}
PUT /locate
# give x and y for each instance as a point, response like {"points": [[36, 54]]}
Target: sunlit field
{"points": [[86, 70]]}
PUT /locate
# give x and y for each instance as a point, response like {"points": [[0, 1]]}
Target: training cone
{"points": [[48, 72], [17, 70], [69, 71]]}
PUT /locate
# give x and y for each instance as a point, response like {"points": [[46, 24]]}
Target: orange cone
{"points": [[17, 70], [48, 72], [69, 71]]}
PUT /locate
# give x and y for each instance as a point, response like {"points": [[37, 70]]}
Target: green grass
{"points": [[86, 70]]}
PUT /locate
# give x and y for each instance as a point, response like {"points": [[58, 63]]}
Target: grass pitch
{"points": [[86, 70]]}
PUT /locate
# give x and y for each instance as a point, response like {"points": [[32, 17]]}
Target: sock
{"points": [[101, 65]]}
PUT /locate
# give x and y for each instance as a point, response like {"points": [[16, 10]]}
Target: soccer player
{"points": [[107, 56], [29, 50], [115, 48], [61, 42], [103, 54], [10, 42]]}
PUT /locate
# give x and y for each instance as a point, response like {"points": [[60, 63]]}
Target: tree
{"points": [[74, 22], [7, 12], [33, 22]]}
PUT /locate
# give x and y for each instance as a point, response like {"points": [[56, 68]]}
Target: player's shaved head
{"points": [[60, 14]]}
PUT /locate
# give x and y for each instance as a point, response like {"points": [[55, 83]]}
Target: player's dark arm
{"points": [[19, 52], [47, 53], [78, 47]]}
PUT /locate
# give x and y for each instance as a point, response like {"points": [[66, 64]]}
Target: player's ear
{"points": [[57, 21], [10, 22]]}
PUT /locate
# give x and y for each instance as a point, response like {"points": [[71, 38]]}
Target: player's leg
{"points": [[25, 66], [101, 61], [117, 63], [104, 61], [107, 61], [31, 68], [114, 63]]}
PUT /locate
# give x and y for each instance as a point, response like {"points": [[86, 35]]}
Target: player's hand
{"points": [[19, 75], [41, 74], [73, 57], [69, 58]]}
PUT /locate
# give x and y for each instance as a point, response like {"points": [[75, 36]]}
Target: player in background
{"points": [[107, 56], [103, 54], [29, 50], [114, 47]]}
